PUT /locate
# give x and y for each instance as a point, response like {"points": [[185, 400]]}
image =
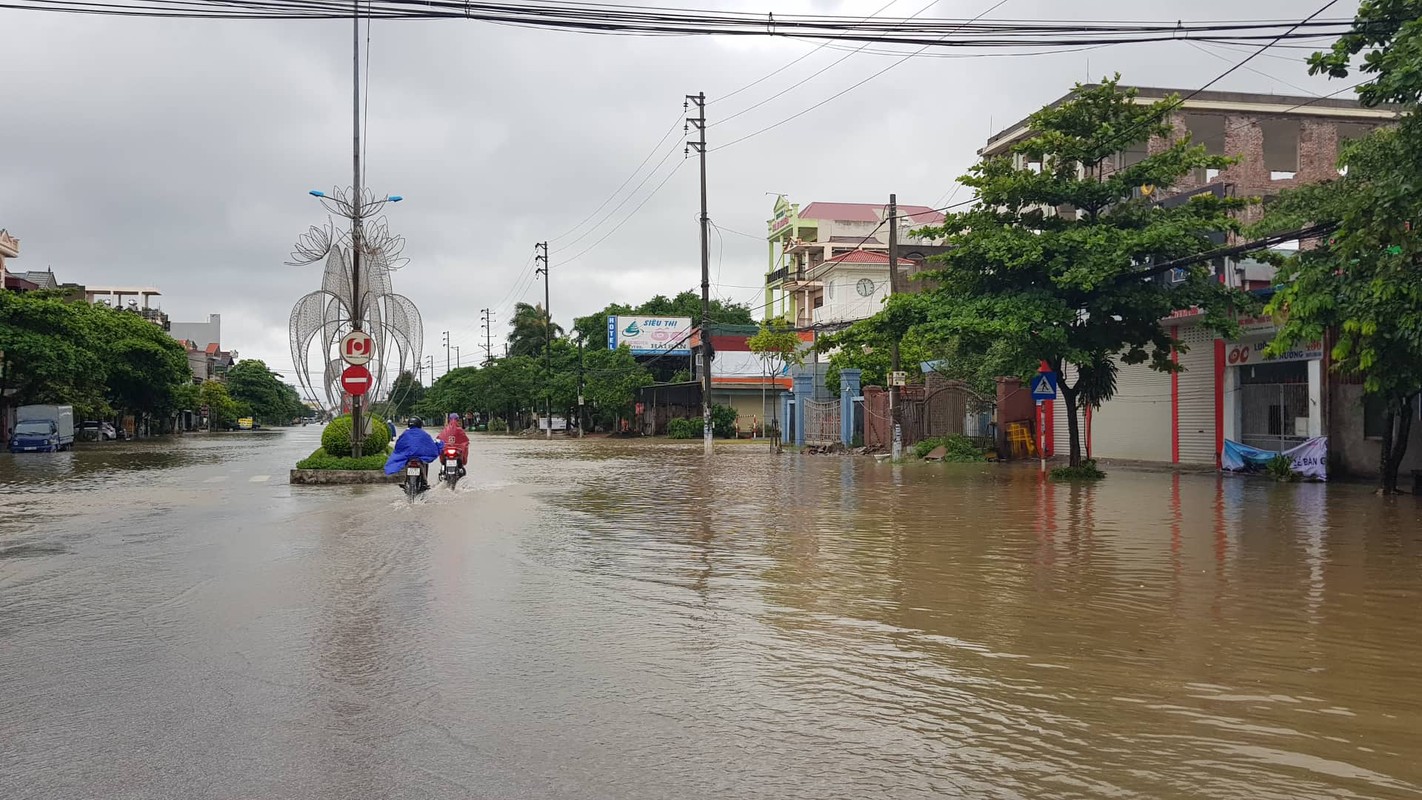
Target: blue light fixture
{"points": [[317, 193], [394, 198]]}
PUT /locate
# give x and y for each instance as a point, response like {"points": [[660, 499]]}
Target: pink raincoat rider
{"points": [[454, 436]]}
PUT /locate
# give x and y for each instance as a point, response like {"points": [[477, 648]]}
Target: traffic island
{"points": [[341, 477]]}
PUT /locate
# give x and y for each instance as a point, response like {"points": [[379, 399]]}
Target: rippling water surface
{"points": [[628, 620]]}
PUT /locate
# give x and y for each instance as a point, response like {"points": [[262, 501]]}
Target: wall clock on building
{"points": [[865, 287]]}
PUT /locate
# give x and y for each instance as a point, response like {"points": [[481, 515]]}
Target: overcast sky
{"points": [[178, 154]]}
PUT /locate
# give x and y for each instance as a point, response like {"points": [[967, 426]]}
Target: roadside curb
{"points": [[340, 477]]}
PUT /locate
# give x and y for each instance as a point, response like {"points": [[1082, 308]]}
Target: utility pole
{"points": [[580, 386], [547, 336], [357, 312], [699, 145], [894, 410], [430, 358], [457, 363], [488, 327], [446, 352]]}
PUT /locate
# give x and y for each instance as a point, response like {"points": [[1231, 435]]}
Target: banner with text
{"points": [[1309, 459], [650, 335]]}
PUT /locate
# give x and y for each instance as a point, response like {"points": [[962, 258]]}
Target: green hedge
{"points": [[1088, 471], [324, 460], [959, 449], [685, 428], [336, 438]]}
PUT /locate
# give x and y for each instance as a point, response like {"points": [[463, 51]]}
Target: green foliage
{"points": [[405, 393], [497, 425], [92, 357], [960, 449], [723, 422], [263, 394], [336, 437], [1085, 471], [1281, 469], [530, 330], [611, 381], [1069, 285], [1388, 33], [323, 460], [683, 428], [222, 410]]}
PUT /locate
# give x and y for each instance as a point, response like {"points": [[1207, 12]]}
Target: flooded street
{"points": [[614, 619]]}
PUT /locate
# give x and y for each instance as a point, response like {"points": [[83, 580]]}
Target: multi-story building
{"points": [[9, 248], [804, 245], [201, 334], [1228, 390]]}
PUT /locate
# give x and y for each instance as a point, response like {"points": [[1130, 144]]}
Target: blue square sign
{"points": [[1044, 386]]}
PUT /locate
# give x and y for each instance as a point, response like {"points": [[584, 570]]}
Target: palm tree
{"points": [[530, 330]]}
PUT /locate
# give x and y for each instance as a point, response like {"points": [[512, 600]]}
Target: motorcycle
{"points": [[451, 466], [415, 483]]}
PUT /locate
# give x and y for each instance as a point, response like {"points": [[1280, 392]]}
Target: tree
{"points": [[611, 381], [48, 353], [222, 410], [146, 366], [405, 393], [779, 347], [1053, 263], [530, 332], [1389, 33], [259, 391]]}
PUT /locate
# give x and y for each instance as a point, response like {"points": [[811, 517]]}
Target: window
{"points": [[829, 289]]}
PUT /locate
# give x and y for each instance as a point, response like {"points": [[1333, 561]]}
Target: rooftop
{"points": [[869, 212], [1282, 105]]}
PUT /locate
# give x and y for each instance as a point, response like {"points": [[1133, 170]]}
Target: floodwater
{"points": [[626, 620]]}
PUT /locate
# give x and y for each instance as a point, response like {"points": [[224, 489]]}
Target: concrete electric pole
{"points": [[699, 145], [542, 257], [894, 411], [488, 327]]}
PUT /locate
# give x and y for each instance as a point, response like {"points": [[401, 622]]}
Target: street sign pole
{"points": [[1041, 438], [1044, 387]]}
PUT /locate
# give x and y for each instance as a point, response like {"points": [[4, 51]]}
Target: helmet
{"points": [[453, 417], [416, 422]]}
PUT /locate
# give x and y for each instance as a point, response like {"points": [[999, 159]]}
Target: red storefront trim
{"points": [[1174, 400], [1219, 399]]}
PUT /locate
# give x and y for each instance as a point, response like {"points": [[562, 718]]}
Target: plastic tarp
{"points": [[1310, 459], [413, 443]]}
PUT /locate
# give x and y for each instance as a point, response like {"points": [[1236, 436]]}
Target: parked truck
{"points": [[43, 429]]}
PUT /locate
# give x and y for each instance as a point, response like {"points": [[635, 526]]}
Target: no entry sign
{"points": [[357, 347], [355, 379]]}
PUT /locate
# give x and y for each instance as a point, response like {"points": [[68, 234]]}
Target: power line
{"points": [[675, 121], [852, 87]]}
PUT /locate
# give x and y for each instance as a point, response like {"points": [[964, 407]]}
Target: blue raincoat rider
{"points": [[413, 443]]}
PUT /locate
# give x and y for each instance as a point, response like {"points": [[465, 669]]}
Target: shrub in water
{"points": [[1281, 469], [1085, 472], [959, 449], [497, 425], [336, 438], [723, 422], [685, 429]]}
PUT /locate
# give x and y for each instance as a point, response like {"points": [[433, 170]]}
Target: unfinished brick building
{"points": [[1229, 390]]}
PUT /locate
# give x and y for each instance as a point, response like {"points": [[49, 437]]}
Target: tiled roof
{"points": [[865, 257], [869, 212]]}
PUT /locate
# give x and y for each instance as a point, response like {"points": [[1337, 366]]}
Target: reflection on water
{"points": [[626, 619], [978, 629]]}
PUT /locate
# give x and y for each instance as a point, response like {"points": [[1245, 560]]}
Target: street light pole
{"points": [[357, 428]]}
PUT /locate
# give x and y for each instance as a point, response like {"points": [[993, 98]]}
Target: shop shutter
{"points": [[1197, 396], [1135, 423]]}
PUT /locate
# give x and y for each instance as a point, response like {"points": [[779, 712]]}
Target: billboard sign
{"points": [[650, 335]]}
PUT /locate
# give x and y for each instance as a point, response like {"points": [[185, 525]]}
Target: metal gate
{"points": [[821, 422], [1273, 405]]}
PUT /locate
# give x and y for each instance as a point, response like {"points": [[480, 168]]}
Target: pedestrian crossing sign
{"points": [[1044, 386]]}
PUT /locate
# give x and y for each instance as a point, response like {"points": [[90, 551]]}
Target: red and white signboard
{"points": [[356, 380], [357, 348]]}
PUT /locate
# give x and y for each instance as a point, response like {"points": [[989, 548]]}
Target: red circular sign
{"points": [[356, 380]]}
